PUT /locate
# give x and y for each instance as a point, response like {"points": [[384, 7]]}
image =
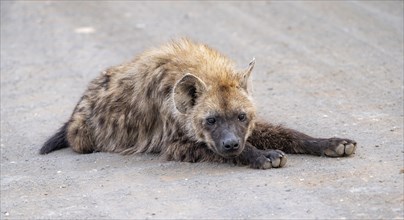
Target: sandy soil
{"points": [[325, 68]]}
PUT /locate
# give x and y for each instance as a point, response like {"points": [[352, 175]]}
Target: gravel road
{"points": [[324, 68]]}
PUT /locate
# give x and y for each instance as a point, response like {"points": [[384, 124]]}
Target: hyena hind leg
{"points": [[79, 135], [267, 136]]}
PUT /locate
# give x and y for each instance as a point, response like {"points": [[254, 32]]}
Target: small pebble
{"points": [[84, 30]]}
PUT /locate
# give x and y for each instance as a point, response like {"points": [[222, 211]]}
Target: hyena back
{"points": [[186, 102]]}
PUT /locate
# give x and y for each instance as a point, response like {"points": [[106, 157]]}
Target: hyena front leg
{"points": [[267, 136], [199, 152], [261, 159]]}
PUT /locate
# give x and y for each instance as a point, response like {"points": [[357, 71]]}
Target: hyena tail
{"points": [[56, 142]]}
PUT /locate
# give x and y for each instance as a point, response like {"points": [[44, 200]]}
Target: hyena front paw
{"points": [[338, 147], [270, 159]]}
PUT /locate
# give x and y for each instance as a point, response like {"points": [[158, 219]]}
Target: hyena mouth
{"points": [[225, 154], [230, 155]]}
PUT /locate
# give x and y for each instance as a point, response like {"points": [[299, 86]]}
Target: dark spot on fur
{"points": [[113, 108], [153, 87], [76, 131], [168, 132], [101, 121], [92, 106], [119, 100], [105, 83], [130, 129], [224, 88], [161, 63], [167, 90], [84, 97], [150, 89]]}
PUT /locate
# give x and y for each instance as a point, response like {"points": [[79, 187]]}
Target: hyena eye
{"points": [[242, 117], [211, 121]]}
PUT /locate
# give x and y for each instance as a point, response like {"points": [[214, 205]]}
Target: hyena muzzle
{"points": [[186, 102]]}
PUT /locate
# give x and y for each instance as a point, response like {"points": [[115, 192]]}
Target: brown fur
{"points": [[160, 102]]}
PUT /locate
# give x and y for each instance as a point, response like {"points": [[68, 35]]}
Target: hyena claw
{"points": [[269, 159], [340, 147], [277, 157]]}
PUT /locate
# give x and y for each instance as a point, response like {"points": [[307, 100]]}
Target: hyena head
{"points": [[219, 111]]}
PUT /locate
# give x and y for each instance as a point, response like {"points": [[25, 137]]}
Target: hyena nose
{"points": [[231, 145]]}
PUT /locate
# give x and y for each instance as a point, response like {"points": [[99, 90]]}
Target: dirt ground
{"points": [[324, 68]]}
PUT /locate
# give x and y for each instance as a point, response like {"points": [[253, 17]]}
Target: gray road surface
{"points": [[325, 68]]}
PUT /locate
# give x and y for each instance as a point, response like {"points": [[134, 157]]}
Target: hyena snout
{"points": [[230, 144]]}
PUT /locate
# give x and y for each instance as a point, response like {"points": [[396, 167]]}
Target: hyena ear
{"points": [[245, 80], [186, 91]]}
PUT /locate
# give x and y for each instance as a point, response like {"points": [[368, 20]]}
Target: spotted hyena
{"points": [[186, 102]]}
